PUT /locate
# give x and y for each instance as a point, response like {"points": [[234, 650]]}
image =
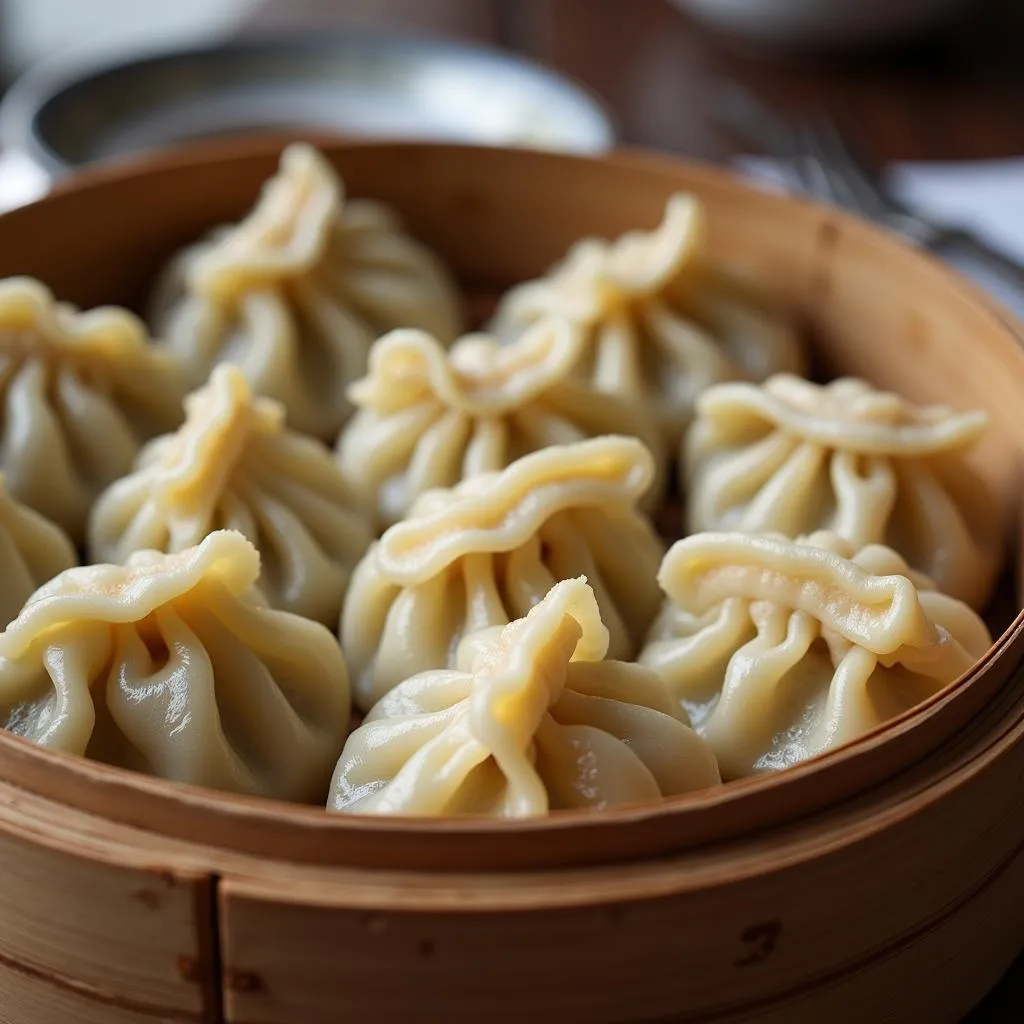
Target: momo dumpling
{"points": [[79, 393], [430, 418], [531, 720], [793, 457], [172, 665], [485, 552], [32, 551], [235, 465], [297, 292], [780, 650], [660, 325]]}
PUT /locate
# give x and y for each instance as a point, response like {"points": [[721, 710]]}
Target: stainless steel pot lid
{"points": [[62, 116]]}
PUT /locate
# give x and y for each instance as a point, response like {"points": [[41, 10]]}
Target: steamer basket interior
{"points": [[871, 308]]}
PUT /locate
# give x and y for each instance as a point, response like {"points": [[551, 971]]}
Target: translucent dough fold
{"points": [[483, 553], [660, 325], [427, 417], [780, 650], [235, 465], [793, 457], [531, 720], [297, 292], [79, 393], [32, 551], [172, 665]]}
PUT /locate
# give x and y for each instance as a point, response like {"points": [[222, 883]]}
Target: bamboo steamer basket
{"points": [[881, 882]]}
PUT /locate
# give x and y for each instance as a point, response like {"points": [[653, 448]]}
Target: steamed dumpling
{"points": [[32, 551], [234, 465], [660, 324], [793, 457], [781, 650], [487, 551], [79, 393], [532, 720], [429, 418], [172, 665], [297, 292]]}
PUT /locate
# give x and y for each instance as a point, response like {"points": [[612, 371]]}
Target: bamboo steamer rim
{"points": [[965, 757], [310, 835], [791, 845]]}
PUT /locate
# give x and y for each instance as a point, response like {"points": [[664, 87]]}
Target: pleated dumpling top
{"points": [[660, 323], [430, 418], [79, 394], [532, 719], [793, 457], [485, 552], [298, 291], [173, 665], [782, 649], [235, 465]]}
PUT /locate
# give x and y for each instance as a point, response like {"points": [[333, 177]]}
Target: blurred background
{"points": [[898, 109], [927, 93], [908, 112], [918, 79], [32, 30]]}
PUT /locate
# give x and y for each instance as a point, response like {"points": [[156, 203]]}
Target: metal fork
{"points": [[827, 169]]}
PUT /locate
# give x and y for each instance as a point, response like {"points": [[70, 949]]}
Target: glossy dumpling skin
{"points": [[32, 551], [79, 393], [660, 323], [430, 418], [485, 552], [793, 457], [172, 665], [235, 465], [533, 719], [297, 292], [781, 650]]}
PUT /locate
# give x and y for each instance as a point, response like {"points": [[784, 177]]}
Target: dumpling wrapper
{"points": [[532, 720], [173, 666], [780, 650], [79, 393], [794, 457], [234, 465], [32, 551], [660, 324], [431, 418], [297, 292], [483, 553]]}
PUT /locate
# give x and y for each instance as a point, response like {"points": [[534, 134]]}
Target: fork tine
{"points": [[840, 150], [816, 174], [810, 148], [746, 114], [853, 184]]}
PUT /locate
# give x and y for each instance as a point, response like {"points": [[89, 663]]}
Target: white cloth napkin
{"points": [[21, 181], [985, 196]]}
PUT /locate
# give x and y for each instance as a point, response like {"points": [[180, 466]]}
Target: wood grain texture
{"points": [[96, 930], [797, 932], [954, 95]]}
